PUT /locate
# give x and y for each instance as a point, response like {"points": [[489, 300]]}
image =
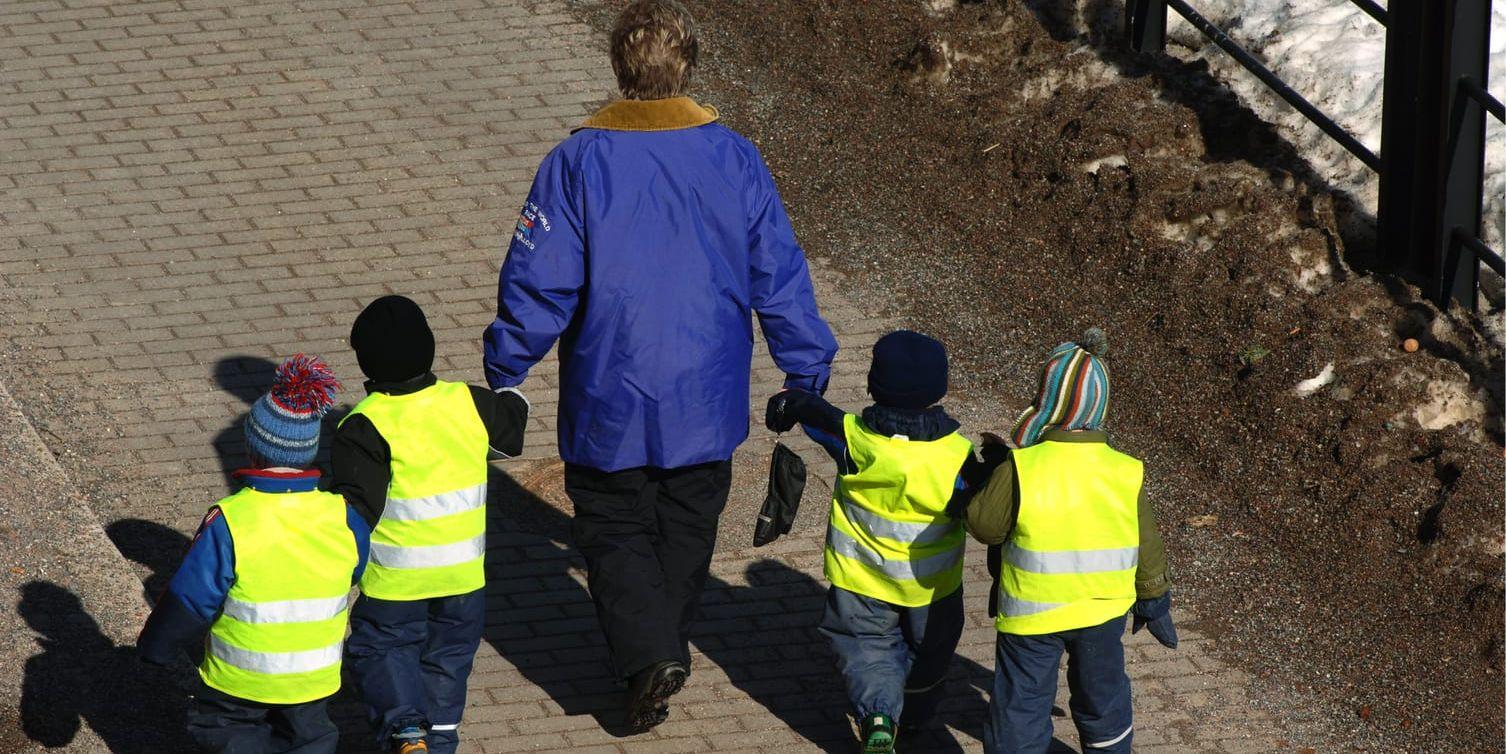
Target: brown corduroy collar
{"points": [[651, 115]]}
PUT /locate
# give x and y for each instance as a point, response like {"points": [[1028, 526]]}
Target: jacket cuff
{"points": [[170, 626], [498, 381], [1150, 589], [515, 391], [810, 383]]}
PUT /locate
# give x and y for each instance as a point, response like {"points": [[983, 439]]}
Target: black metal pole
{"points": [[1292, 96], [1145, 23], [1412, 138], [1478, 94], [1373, 9], [1468, 45]]}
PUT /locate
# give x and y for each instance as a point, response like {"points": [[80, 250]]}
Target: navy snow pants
{"points": [[1019, 715], [410, 661], [224, 724], [894, 659]]}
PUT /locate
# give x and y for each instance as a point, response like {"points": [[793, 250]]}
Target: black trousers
{"points": [[219, 722], [647, 535]]}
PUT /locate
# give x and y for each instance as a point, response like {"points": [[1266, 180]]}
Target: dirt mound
{"points": [[1005, 189]]}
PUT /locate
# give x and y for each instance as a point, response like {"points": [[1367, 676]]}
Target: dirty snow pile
{"points": [[1334, 54]]}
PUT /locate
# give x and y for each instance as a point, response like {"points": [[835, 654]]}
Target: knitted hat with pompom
{"points": [[1074, 391], [283, 426]]}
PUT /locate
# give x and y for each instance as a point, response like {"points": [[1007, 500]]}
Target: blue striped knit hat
{"points": [[1074, 391], [283, 426]]}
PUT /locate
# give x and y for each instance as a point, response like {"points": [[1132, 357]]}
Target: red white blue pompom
{"points": [[306, 385]]}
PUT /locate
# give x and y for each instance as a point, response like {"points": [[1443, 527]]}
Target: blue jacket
{"points": [[197, 592], [650, 238]]}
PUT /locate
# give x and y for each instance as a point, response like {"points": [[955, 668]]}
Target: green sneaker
{"points": [[878, 734]]}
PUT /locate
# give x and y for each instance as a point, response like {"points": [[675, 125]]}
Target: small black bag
{"points": [[786, 484]]}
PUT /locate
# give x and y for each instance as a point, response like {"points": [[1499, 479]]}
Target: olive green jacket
{"points": [[991, 517]]}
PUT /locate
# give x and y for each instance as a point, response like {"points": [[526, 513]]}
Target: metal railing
{"points": [[1431, 163]]}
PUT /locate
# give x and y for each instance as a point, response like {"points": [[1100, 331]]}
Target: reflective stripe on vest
{"points": [[429, 556], [1072, 561], [899, 570], [889, 537], [1072, 555], [435, 506], [286, 611], [279, 635], [901, 531], [431, 539], [276, 662]]}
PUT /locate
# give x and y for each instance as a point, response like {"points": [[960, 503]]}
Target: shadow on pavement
{"points": [[80, 677], [539, 617], [159, 548], [246, 378], [762, 635]]}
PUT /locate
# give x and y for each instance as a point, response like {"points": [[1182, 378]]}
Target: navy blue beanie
{"points": [[909, 370]]}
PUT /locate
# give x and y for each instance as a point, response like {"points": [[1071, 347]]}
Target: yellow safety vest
{"points": [[279, 637], [1070, 562], [889, 537], [431, 540]]}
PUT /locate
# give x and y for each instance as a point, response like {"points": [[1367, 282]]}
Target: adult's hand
{"points": [[776, 415]]}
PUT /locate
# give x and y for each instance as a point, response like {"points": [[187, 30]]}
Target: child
{"points": [[412, 458], [268, 575], [1080, 550], [893, 553]]}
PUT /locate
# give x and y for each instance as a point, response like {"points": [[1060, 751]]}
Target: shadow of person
{"points": [[81, 677], [246, 378], [763, 636], [540, 618], [159, 548]]}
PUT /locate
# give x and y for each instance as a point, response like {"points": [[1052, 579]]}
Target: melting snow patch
{"points": [[1448, 403], [1334, 54], [1112, 161], [1089, 74], [1309, 386]]}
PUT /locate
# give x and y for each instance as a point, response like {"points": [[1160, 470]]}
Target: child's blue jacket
{"points": [[197, 592], [650, 238]]}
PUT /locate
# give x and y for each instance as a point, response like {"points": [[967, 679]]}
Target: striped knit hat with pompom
{"points": [[283, 426], [1074, 391]]}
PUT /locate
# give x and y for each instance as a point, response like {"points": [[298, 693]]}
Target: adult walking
{"points": [[650, 238]]}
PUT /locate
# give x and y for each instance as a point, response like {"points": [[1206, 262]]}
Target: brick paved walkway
{"points": [[190, 190], [762, 678]]}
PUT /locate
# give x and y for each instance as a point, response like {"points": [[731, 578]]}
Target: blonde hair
{"points": [[654, 49]]}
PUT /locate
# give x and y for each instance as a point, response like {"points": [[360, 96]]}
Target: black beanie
{"points": [[908, 371], [392, 340]]}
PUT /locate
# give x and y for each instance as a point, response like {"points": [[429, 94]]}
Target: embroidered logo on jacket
{"points": [[532, 217]]}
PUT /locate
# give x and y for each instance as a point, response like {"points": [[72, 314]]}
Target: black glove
{"points": [[776, 417], [1155, 614]]}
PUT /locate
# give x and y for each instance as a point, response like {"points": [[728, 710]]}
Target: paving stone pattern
{"points": [[192, 190]]}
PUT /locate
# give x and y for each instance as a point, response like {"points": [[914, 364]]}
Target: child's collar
{"points": [[651, 115], [279, 479], [922, 424], [402, 387]]}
